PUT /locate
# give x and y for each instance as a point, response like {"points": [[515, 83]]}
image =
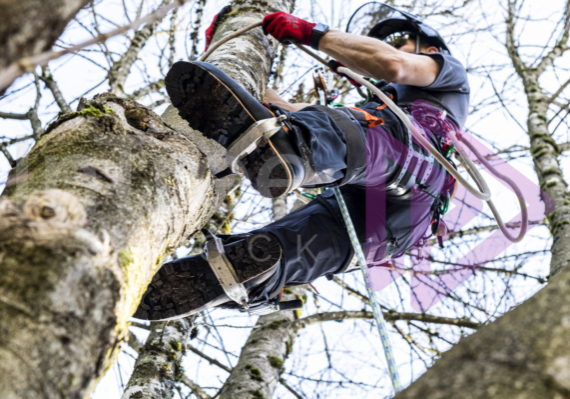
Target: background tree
{"points": [[231, 355]]}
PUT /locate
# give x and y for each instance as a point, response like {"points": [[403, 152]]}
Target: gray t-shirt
{"points": [[449, 92]]}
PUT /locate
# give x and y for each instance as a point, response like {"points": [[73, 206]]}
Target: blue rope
{"points": [[380, 322]]}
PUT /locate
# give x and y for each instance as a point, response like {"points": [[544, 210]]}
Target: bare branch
{"points": [[389, 316], [351, 290], [560, 47], [172, 38], [209, 359], [47, 78], [153, 87], [7, 154], [9, 115], [33, 112], [27, 64], [196, 390], [290, 389], [512, 49], [558, 92], [120, 70], [194, 35]]}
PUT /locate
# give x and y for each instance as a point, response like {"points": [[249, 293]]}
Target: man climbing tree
{"points": [[393, 189]]}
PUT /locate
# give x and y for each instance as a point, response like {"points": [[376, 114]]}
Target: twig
{"points": [[209, 359], [33, 112], [196, 390], [194, 35], [28, 64]]}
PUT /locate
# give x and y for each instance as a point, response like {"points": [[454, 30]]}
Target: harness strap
{"points": [[355, 141]]}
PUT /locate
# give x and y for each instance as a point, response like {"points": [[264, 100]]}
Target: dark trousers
{"points": [[314, 238]]}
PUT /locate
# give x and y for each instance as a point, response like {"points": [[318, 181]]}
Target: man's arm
{"points": [[271, 96], [374, 58], [368, 56]]}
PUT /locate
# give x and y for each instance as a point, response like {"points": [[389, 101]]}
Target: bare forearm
{"points": [[364, 55], [376, 59], [271, 96]]}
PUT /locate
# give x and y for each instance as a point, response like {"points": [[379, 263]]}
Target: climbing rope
{"points": [[378, 316]]}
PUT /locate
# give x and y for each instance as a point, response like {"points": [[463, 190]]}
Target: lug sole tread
{"points": [[211, 108], [181, 287]]}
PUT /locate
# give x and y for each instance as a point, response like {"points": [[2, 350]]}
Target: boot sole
{"points": [[196, 93], [189, 285]]}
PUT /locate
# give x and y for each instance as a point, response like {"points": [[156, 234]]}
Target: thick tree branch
{"points": [[522, 354], [158, 366], [31, 26]]}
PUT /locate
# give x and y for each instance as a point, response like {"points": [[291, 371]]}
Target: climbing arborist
{"points": [[393, 188]]}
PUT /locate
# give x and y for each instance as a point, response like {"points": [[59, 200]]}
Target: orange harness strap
{"points": [[371, 119]]}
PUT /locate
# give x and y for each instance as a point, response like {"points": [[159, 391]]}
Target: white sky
{"points": [[75, 76]]}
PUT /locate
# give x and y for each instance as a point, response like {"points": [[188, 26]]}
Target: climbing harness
{"points": [[456, 140]]}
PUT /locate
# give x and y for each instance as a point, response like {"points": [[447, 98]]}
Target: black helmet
{"points": [[391, 20]]}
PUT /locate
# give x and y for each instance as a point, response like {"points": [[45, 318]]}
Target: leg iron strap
{"points": [[224, 271], [249, 140]]}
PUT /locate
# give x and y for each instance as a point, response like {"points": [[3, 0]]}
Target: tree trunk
{"points": [[262, 357], [87, 217], [543, 147], [523, 355], [270, 342], [158, 366], [32, 26]]}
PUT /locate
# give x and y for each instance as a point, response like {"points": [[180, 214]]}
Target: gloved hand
{"points": [[334, 65], [212, 28], [287, 28]]}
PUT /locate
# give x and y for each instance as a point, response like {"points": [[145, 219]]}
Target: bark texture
{"points": [[270, 342], [32, 26], [99, 200], [543, 147], [523, 355], [262, 357], [109, 191], [158, 366]]}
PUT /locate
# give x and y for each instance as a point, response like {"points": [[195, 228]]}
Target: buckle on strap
{"points": [[224, 271], [249, 140], [274, 305]]}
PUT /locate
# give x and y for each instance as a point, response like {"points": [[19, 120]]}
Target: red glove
{"points": [[334, 65], [287, 28], [212, 28]]}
